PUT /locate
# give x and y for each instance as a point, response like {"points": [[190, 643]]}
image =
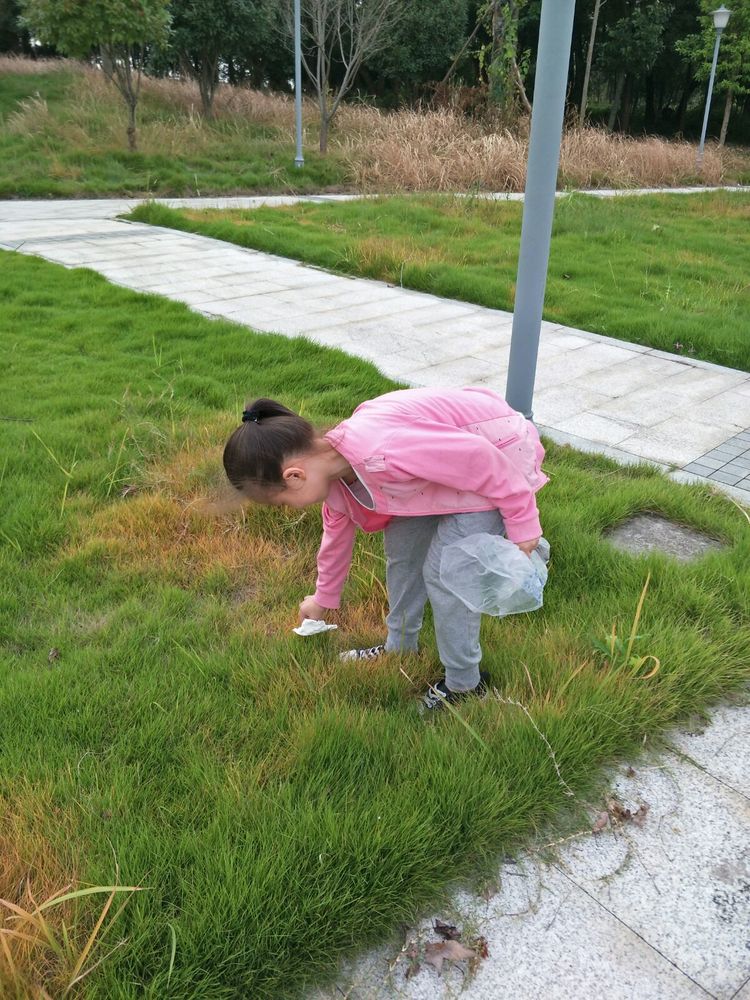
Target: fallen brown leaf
{"points": [[639, 816], [618, 812], [480, 947], [452, 951], [413, 968], [602, 820], [448, 932]]}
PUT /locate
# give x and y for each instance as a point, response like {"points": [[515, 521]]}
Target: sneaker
{"points": [[371, 653], [438, 694]]}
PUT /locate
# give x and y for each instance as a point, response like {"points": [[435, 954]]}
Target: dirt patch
{"points": [[649, 532]]}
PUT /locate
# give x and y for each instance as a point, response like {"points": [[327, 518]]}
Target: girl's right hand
{"points": [[309, 608]]}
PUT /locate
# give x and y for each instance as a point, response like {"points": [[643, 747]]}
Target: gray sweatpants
{"points": [[413, 548]]}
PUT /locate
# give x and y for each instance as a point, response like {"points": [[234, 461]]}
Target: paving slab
{"points": [[682, 880], [546, 938], [720, 746]]}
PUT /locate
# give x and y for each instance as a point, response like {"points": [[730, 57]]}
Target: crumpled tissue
{"points": [[312, 626]]}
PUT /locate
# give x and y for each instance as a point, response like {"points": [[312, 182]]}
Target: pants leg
{"points": [[456, 627], [407, 540]]}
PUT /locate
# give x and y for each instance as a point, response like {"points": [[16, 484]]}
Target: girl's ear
{"points": [[294, 477]]}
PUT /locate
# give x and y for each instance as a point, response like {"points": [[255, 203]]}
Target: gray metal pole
{"points": [[553, 57], [299, 160], [699, 157]]}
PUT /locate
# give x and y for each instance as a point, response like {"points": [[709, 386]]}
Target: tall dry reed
{"points": [[408, 150], [443, 151]]}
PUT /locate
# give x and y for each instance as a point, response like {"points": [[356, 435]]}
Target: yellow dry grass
{"points": [[27, 67], [30, 873], [424, 149]]}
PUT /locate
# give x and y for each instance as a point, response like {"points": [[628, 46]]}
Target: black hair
{"points": [[254, 454]]}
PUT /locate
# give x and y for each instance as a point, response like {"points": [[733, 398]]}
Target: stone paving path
{"points": [[622, 399], [659, 912]]}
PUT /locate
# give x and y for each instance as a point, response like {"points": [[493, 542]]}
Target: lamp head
{"points": [[721, 18]]}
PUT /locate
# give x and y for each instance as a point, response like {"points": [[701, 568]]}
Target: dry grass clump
{"points": [[441, 150], [20, 65], [46, 946], [594, 158]]}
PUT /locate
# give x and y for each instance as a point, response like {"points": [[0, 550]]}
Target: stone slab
{"points": [[680, 882], [652, 533], [546, 938], [721, 747]]}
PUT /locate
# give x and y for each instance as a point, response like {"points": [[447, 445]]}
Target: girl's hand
{"points": [[309, 608], [528, 547]]}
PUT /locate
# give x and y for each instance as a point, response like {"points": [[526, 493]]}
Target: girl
{"points": [[427, 466]]}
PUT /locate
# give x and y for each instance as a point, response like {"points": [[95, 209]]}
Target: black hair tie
{"points": [[250, 415]]}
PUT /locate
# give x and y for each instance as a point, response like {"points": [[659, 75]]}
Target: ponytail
{"points": [[269, 433]]}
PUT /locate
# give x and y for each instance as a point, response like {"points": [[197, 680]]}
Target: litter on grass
{"points": [[313, 626]]}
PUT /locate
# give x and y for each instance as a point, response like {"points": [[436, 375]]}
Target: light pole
{"points": [[299, 160], [721, 19], [553, 58]]}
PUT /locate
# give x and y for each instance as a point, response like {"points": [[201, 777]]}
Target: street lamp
{"points": [[721, 19], [299, 160]]}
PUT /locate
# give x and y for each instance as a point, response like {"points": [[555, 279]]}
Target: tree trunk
{"points": [[725, 119], [627, 104], [206, 87], [325, 120], [616, 102], [649, 114], [131, 126], [587, 74], [504, 43], [687, 90]]}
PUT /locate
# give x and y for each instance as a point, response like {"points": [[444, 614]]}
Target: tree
{"points": [[13, 36], [206, 33], [504, 74], [633, 44], [337, 37], [733, 67], [119, 30], [587, 72], [419, 48]]}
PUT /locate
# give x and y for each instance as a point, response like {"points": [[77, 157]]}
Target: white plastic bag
{"points": [[491, 574]]}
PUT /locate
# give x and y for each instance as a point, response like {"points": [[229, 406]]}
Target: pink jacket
{"points": [[429, 451]]}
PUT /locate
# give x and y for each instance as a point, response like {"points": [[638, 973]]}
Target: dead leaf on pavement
{"points": [[452, 951], [639, 816], [480, 947], [448, 932], [602, 820], [621, 814]]}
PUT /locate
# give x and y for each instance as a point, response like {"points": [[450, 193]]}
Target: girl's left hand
{"points": [[529, 546]]}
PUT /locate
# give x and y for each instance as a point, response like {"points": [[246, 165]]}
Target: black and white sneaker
{"points": [[370, 653], [438, 694]]}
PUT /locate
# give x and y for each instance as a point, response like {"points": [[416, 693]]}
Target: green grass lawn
{"points": [[278, 808], [667, 271], [59, 138]]}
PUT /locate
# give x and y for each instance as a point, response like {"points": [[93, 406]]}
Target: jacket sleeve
{"points": [[334, 556], [456, 458]]}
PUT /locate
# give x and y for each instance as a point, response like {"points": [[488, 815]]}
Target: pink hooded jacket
{"points": [[428, 451]]}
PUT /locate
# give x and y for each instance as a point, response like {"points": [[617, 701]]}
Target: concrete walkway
{"points": [[658, 911], [630, 402]]}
